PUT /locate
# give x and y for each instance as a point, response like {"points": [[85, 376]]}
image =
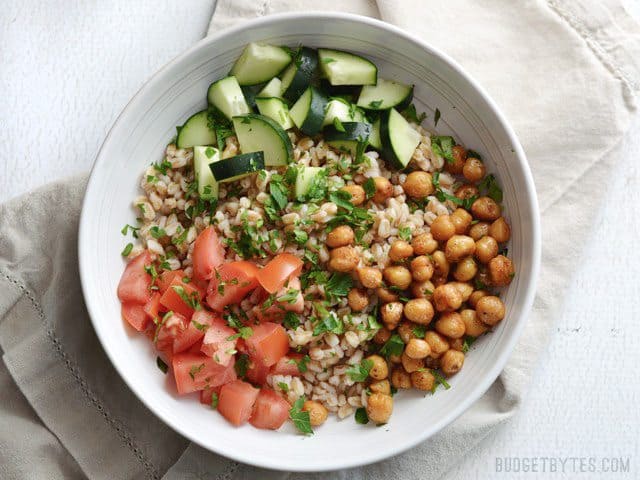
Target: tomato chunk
{"points": [[134, 314], [166, 277], [269, 343], [195, 371], [180, 297], [216, 343], [208, 254], [232, 282], [206, 395], [287, 365], [270, 410], [152, 307], [168, 330], [135, 282], [195, 330], [236, 401], [276, 273], [257, 371], [293, 289]]}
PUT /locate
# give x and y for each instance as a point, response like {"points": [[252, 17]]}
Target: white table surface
{"points": [[68, 68]]}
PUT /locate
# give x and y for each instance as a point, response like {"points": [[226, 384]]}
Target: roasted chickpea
{"points": [[421, 268], [461, 220], [472, 324], [379, 369], [465, 289], [357, 299], [442, 228], [343, 259], [467, 191], [317, 412], [400, 250], [386, 295], [479, 230], [465, 270], [475, 296], [459, 157], [340, 236], [451, 362], [391, 314], [474, 170], [457, 344], [417, 348], [486, 249], [485, 208], [381, 386], [405, 330], [384, 189], [423, 379], [379, 407], [450, 324], [447, 298], [501, 271], [458, 247], [440, 264], [418, 184], [419, 310], [395, 359], [400, 378], [500, 230], [424, 244], [437, 343], [357, 194], [423, 289], [370, 277], [398, 276], [382, 336], [411, 364], [490, 310]]}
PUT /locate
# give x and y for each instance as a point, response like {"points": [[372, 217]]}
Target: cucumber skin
{"points": [[354, 131], [193, 118], [308, 63], [255, 159], [387, 148], [251, 93], [400, 106], [313, 123]]}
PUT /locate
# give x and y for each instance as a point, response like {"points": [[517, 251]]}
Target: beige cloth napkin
{"points": [[567, 75]]}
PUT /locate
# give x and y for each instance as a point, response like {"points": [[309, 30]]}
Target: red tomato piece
{"points": [[135, 282], [295, 305], [173, 299], [206, 395], [270, 410], [257, 371], [276, 273], [287, 365], [269, 343], [236, 401], [216, 343], [152, 307], [208, 254], [195, 371], [166, 277], [194, 332], [134, 314], [231, 283], [168, 330]]}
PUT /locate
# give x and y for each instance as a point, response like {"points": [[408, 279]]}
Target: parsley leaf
{"points": [[361, 416], [369, 188], [161, 365], [411, 114], [291, 320], [243, 332], [338, 285], [220, 124], [289, 297], [242, 365], [342, 199], [192, 300], [301, 364], [157, 232], [283, 386], [328, 322], [404, 233], [195, 369], [214, 400], [279, 192], [127, 250], [436, 117], [359, 373], [468, 341], [301, 419], [419, 331], [440, 380], [490, 185], [443, 146], [337, 124], [393, 347]]}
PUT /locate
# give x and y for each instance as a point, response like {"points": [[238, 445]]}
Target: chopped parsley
{"points": [[338, 285], [361, 416], [440, 380], [369, 188], [134, 230], [152, 179], [289, 297], [342, 199], [242, 365], [301, 364], [376, 104], [214, 400], [200, 326], [157, 232], [161, 365], [393, 347], [436, 117], [291, 321], [127, 249], [163, 166], [299, 236], [443, 196], [404, 233], [419, 331], [217, 122], [411, 114], [490, 186], [359, 373], [337, 124], [328, 322], [194, 370], [243, 332], [279, 192], [318, 189], [192, 299], [283, 386], [301, 419], [443, 145], [468, 341], [182, 236]]}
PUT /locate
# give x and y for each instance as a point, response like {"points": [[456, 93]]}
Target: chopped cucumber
{"points": [[344, 68], [276, 109], [343, 111], [196, 131], [271, 89], [308, 111], [297, 77], [260, 133], [259, 63], [399, 139], [207, 184], [306, 178], [250, 93], [347, 137], [374, 136], [235, 168], [227, 97], [385, 94]]}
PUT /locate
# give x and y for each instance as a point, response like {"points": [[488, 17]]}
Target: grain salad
{"points": [[366, 262]]}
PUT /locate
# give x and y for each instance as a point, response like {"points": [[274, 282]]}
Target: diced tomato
{"points": [[195, 371], [287, 365], [270, 410], [152, 307], [169, 330], [208, 254], [173, 300], [276, 273], [134, 314], [296, 305], [236, 401], [257, 371], [216, 343], [195, 330], [269, 343], [195, 348], [232, 282], [206, 395], [275, 314], [135, 282], [166, 277]]}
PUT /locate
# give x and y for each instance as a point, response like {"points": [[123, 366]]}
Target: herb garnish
{"points": [[404, 233], [337, 124], [491, 187], [161, 365], [411, 114], [194, 370], [301, 419], [375, 103], [127, 249], [393, 347], [283, 386], [338, 285], [242, 365], [214, 400], [301, 364], [359, 373], [291, 321], [369, 187], [443, 145], [436, 117], [361, 416], [440, 380], [243, 332]]}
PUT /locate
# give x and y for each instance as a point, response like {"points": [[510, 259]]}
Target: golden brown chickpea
{"points": [[400, 250], [382, 336], [384, 189], [490, 310], [379, 369], [405, 330], [391, 314], [500, 230], [400, 378], [479, 230], [457, 344], [317, 412], [357, 299], [472, 324], [381, 386], [418, 184], [379, 407], [459, 157], [440, 264], [411, 364], [343, 259], [370, 277], [423, 380], [419, 310], [417, 348], [340, 236], [465, 289], [475, 296], [421, 268], [398, 276], [451, 362], [442, 228], [474, 170], [467, 191], [486, 249], [501, 271], [461, 220], [424, 244], [357, 194], [437, 343], [465, 270], [395, 359], [423, 289], [386, 295], [458, 247], [485, 208], [447, 298], [450, 325]]}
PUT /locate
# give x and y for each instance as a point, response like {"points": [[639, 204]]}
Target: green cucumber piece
{"points": [[374, 136], [235, 168], [250, 93], [344, 68], [207, 184], [276, 109], [196, 131], [306, 178], [226, 96], [354, 133], [260, 133], [399, 140], [385, 94], [343, 111], [271, 89], [259, 63], [297, 77], [309, 111]]}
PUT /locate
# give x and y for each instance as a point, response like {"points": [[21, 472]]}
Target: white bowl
{"points": [[138, 138]]}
